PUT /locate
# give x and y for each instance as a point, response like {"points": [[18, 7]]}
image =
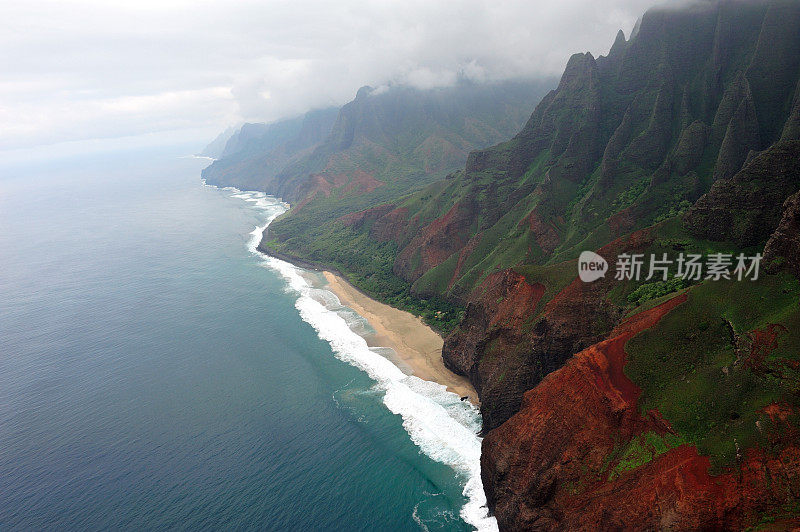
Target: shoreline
{"points": [[396, 345], [417, 346]]}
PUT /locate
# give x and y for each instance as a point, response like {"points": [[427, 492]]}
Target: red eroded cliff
{"points": [[549, 466], [506, 344], [434, 243]]}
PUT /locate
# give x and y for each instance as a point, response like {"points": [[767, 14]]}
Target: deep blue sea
{"points": [[156, 373]]}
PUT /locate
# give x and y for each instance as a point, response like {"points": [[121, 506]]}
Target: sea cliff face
{"points": [[518, 328], [384, 146], [587, 445]]}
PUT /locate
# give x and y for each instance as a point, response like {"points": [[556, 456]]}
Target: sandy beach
{"points": [[417, 345]]}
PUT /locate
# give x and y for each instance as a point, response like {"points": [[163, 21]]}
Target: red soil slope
{"points": [[547, 467]]}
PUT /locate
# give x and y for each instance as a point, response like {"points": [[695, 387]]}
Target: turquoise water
{"points": [[155, 373]]}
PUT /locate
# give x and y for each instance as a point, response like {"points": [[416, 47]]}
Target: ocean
{"points": [[156, 372]]}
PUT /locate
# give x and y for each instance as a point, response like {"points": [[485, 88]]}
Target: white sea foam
{"points": [[203, 157], [439, 423]]}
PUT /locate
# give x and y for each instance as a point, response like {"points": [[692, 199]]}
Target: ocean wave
{"points": [[443, 427]]}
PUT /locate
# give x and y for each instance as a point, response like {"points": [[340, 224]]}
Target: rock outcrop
{"points": [[783, 247], [506, 344], [746, 208]]}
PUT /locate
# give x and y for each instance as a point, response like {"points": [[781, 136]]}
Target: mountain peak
{"points": [[364, 91], [619, 44]]}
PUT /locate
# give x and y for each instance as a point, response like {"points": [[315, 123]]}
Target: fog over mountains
{"points": [[94, 70]]}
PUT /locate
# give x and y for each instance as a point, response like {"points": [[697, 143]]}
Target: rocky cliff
{"points": [[386, 144], [581, 453], [783, 248], [684, 415], [617, 147]]}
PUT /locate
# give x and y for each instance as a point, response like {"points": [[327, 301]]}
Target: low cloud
{"points": [[77, 70]]}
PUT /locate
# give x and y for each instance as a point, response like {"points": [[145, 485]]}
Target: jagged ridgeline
{"points": [[625, 140], [396, 139], [255, 154], [694, 118], [666, 404], [216, 147]]}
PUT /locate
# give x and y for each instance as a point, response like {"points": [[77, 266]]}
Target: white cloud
{"points": [[425, 78], [78, 69]]}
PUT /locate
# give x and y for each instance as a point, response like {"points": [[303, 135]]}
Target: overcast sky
{"points": [[77, 70]]}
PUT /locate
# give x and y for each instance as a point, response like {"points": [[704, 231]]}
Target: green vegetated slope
{"points": [[715, 170], [686, 135], [714, 364], [712, 367], [625, 141], [685, 138], [386, 144]]}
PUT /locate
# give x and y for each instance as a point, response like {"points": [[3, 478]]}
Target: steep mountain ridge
{"points": [[626, 140], [690, 422], [216, 147], [623, 141], [408, 136]]}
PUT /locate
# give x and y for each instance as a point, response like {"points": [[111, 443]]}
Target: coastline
{"points": [[416, 344], [444, 428]]}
